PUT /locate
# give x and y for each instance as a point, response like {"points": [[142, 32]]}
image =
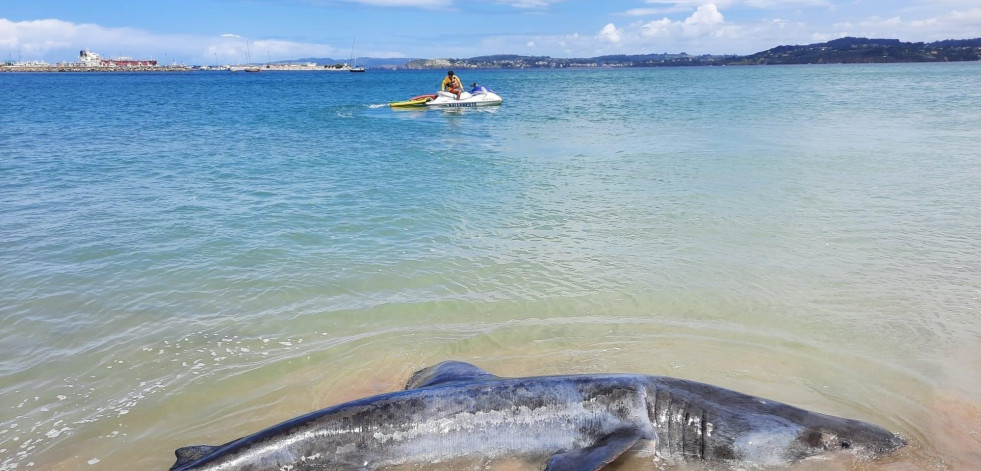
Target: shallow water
{"points": [[187, 259]]}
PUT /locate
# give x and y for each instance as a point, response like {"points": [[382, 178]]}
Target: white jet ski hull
{"points": [[467, 100]]}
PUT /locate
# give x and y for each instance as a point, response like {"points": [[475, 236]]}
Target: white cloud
{"points": [[706, 20], [951, 25], [610, 33], [645, 11], [41, 37], [704, 31], [707, 29], [693, 26], [663, 7], [705, 16], [766, 4], [662, 27], [670, 7], [657, 11], [57, 41]]}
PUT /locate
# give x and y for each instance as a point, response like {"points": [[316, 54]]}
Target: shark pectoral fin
{"points": [[447, 372], [602, 453], [192, 453]]}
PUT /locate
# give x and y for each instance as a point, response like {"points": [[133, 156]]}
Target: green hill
{"points": [[851, 50]]}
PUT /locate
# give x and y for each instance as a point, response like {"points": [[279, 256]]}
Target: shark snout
{"points": [[888, 445], [852, 436]]}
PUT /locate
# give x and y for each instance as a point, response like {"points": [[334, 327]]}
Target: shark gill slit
{"points": [[701, 432], [684, 428]]}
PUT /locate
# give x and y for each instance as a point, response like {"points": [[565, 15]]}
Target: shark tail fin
{"points": [[189, 454]]}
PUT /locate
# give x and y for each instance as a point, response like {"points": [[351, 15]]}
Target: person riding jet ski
{"points": [[453, 83]]}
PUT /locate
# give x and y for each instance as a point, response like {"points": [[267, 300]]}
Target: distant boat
{"points": [[248, 59], [354, 60], [87, 58]]}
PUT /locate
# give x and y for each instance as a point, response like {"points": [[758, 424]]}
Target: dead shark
{"points": [[455, 410]]}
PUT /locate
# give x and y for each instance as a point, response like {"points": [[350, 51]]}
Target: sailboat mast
{"points": [[354, 58]]}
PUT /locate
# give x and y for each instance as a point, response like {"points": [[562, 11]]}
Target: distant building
{"points": [[27, 64]]}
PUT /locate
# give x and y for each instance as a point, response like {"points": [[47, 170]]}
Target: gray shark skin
{"points": [[574, 423]]}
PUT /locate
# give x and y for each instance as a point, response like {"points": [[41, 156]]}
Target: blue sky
{"points": [[210, 31]]}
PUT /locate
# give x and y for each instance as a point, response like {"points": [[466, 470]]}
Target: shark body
{"points": [[571, 423]]}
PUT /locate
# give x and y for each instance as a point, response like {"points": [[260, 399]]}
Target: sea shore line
{"points": [[58, 68], [171, 68]]}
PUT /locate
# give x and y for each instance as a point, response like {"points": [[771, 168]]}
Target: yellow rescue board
{"points": [[404, 104], [417, 101]]}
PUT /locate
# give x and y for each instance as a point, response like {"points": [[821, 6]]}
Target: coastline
{"points": [[181, 68], [56, 68], [847, 50]]}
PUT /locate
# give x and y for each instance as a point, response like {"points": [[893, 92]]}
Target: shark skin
{"points": [[454, 410]]}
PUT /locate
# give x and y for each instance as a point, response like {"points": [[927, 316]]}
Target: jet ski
{"points": [[477, 96]]}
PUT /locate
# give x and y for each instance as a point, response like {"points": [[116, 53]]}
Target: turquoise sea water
{"points": [[187, 258]]}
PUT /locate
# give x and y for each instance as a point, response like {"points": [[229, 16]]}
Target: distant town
{"points": [[848, 50], [89, 61], [840, 51]]}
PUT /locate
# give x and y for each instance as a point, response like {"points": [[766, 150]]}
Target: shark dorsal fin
{"points": [[447, 372], [190, 454]]}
